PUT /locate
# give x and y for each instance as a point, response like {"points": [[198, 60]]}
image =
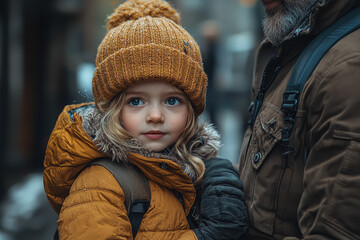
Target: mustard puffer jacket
{"points": [[89, 200]]}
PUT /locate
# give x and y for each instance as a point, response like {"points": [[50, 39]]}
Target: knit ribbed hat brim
{"points": [[150, 62]]}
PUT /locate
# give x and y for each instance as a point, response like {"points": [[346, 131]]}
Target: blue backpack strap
{"points": [[305, 65], [135, 187]]}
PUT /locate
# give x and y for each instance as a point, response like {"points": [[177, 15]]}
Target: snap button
{"points": [[163, 166], [257, 157]]}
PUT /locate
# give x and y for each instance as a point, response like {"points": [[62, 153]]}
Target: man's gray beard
{"points": [[278, 25]]}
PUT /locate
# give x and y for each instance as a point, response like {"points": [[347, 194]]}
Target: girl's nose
{"points": [[155, 115]]}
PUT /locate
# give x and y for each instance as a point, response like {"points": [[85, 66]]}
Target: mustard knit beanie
{"points": [[145, 41]]}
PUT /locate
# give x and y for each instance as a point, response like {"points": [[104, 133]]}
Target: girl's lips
{"points": [[154, 135]]}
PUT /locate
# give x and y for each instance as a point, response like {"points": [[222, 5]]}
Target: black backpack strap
{"points": [[135, 187], [305, 65]]}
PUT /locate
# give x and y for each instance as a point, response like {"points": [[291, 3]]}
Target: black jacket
{"points": [[222, 213]]}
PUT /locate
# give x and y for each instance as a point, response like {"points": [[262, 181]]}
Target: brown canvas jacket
{"points": [[315, 194]]}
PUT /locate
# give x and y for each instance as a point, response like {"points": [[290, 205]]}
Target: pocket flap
{"points": [[266, 133]]}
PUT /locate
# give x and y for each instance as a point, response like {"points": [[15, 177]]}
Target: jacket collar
{"points": [[321, 14]]}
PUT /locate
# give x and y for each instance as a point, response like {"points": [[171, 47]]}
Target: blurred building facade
{"points": [[48, 49]]}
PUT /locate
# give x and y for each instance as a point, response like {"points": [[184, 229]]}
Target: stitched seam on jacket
{"points": [[346, 135], [95, 189], [340, 229], [88, 202], [168, 230]]}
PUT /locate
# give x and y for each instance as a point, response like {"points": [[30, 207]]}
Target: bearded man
{"points": [[312, 191]]}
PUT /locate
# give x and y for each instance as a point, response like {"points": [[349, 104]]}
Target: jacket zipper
{"points": [[262, 91]]}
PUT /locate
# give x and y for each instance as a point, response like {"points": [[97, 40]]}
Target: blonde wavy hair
{"points": [[111, 125]]}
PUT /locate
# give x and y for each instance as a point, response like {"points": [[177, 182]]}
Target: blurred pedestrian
{"points": [[210, 36]]}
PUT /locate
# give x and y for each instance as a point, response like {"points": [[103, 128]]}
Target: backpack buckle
{"points": [[290, 101]]}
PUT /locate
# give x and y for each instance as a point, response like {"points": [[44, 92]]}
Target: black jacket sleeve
{"points": [[220, 212]]}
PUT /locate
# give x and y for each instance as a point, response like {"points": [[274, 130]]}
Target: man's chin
{"points": [[271, 12]]}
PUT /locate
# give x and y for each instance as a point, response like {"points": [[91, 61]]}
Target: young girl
{"points": [[149, 89]]}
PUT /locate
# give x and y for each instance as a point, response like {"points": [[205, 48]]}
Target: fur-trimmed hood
{"points": [[205, 144], [77, 139]]}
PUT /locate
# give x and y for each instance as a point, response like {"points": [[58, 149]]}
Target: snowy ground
{"points": [[25, 212]]}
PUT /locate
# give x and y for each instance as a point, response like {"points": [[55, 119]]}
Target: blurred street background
{"points": [[47, 54]]}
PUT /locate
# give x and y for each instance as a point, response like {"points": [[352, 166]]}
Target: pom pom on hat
{"points": [[135, 9], [145, 42]]}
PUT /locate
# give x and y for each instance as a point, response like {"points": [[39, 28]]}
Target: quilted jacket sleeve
{"points": [[222, 210], [95, 208]]}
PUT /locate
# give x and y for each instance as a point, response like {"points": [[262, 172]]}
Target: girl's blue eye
{"points": [[172, 101], [135, 102]]}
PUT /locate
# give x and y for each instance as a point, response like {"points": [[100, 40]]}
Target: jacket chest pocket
{"points": [[266, 134], [264, 169]]}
